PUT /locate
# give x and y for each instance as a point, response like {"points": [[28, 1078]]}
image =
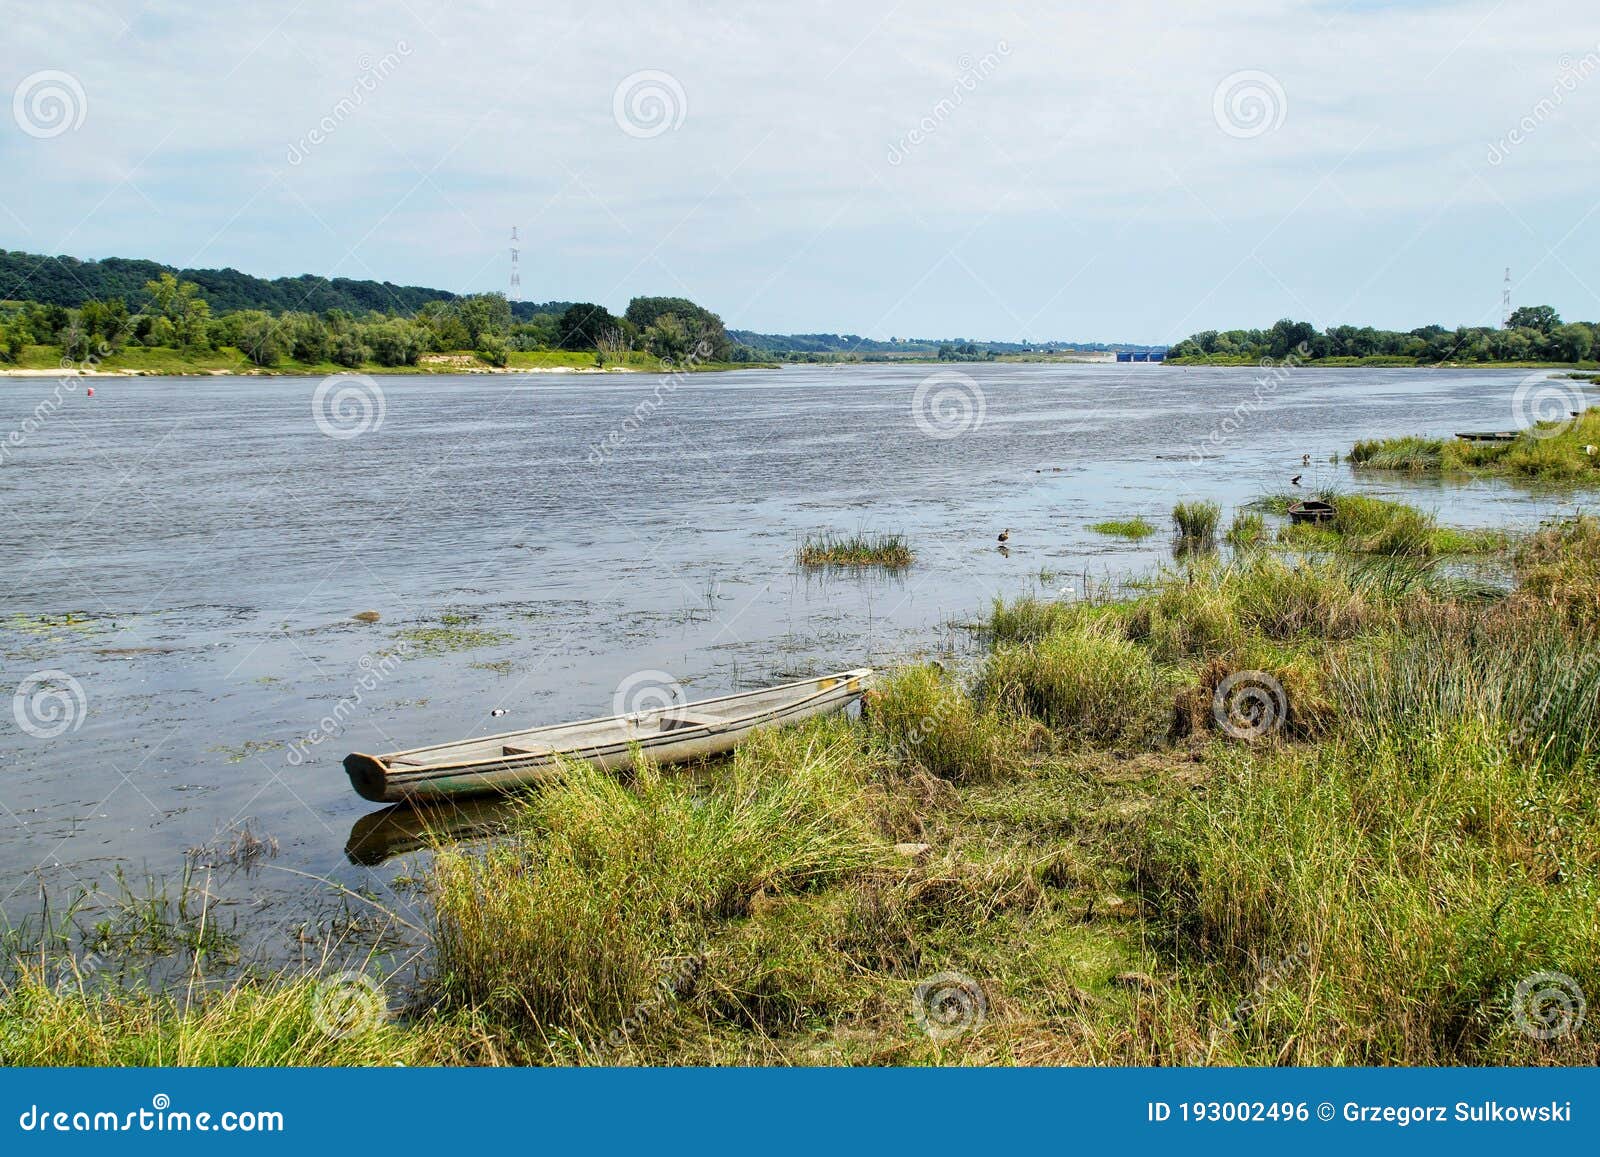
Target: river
{"points": [[183, 558]]}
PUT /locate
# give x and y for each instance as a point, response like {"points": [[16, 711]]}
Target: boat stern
{"points": [[368, 776]]}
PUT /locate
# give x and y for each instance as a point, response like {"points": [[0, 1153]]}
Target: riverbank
{"points": [[1562, 451], [1376, 362], [1251, 809], [138, 361]]}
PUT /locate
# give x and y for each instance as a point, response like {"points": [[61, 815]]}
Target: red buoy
{"points": [[91, 391]]}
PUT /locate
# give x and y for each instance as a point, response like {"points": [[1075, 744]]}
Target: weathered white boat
{"points": [[678, 733]]}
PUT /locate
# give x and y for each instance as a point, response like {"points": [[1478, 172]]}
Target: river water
{"points": [[182, 558]]}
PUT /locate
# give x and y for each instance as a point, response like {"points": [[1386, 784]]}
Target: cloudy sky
{"points": [[1114, 172]]}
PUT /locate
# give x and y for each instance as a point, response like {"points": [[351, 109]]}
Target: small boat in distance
{"points": [[1489, 435], [677, 733], [1312, 510]]}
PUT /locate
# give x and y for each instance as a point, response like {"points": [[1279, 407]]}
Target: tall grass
{"points": [[1369, 885], [568, 927], [48, 1020], [1554, 451], [1196, 522], [924, 718], [1407, 453], [1088, 684], [859, 549], [1395, 891], [1249, 529]]}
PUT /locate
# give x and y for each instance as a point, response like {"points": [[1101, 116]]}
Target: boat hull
{"points": [[685, 733]]}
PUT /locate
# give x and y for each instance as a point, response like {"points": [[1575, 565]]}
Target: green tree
{"points": [[258, 336], [1288, 335], [667, 337], [483, 314], [583, 324], [1543, 318], [1573, 343], [396, 342]]}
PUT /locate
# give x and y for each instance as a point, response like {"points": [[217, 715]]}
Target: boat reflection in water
{"points": [[394, 831]]}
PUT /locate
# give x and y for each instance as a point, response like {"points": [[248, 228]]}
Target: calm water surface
{"points": [[191, 550]]}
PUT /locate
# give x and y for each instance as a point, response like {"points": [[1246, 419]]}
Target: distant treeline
{"points": [[173, 314], [801, 346], [1533, 333]]}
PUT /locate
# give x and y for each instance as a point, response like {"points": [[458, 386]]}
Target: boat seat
{"points": [[523, 749], [681, 722]]}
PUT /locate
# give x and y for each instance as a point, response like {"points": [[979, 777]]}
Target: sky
{"points": [[1129, 172]]}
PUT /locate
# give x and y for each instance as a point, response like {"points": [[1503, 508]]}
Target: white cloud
{"points": [[1081, 187]]}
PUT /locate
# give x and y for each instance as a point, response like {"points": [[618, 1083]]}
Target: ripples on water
{"points": [[210, 546]]}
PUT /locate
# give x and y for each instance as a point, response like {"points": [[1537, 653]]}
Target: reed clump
{"points": [[1556, 451], [1195, 523], [891, 551]]}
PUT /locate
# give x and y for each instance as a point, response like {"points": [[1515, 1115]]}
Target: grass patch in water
{"points": [[1129, 528], [1196, 522], [1556, 451], [857, 550]]}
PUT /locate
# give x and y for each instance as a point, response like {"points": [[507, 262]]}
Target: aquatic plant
{"points": [[1129, 528], [1196, 522], [856, 550]]}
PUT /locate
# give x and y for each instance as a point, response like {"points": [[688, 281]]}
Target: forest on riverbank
{"points": [[170, 324], [1533, 334]]}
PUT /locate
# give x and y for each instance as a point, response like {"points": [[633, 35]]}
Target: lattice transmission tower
{"points": [[1505, 301], [514, 293]]}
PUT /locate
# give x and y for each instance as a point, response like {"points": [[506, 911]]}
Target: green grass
{"points": [[1550, 451], [1130, 528], [1249, 529], [1366, 525], [1076, 823], [1195, 523], [856, 550], [47, 1021], [1407, 453]]}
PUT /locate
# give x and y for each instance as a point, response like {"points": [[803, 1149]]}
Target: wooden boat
{"points": [[678, 733], [1312, 510], [1490, 435]]}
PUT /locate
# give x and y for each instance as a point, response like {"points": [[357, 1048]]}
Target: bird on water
{"points": [[1295, 481], [1005, 535]]}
